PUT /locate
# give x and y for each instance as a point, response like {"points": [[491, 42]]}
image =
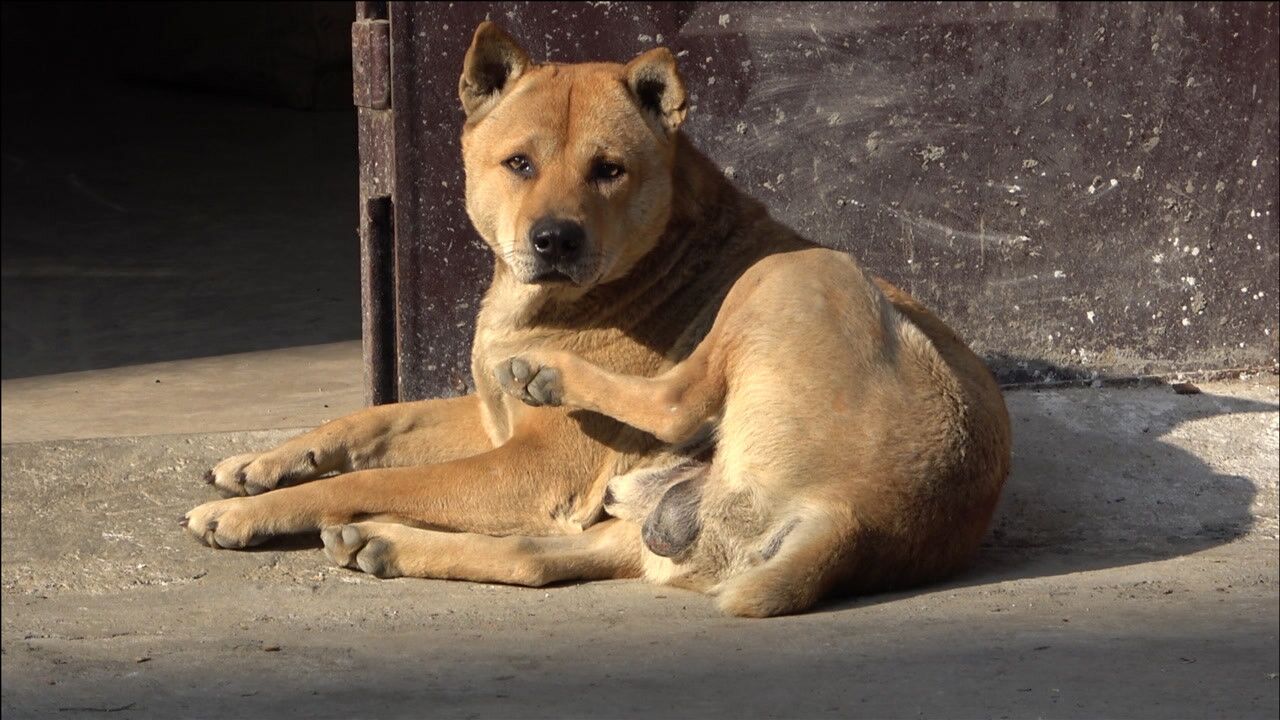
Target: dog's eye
{"points": [[520, 165], [605, 171]]}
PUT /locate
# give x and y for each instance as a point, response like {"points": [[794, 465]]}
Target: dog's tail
{"points": [[829, 551], [813, 556]]}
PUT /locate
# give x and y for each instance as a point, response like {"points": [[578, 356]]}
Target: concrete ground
{"points": [[1132, 572]]}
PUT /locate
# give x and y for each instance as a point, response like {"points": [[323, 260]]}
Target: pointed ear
{"points": [[494, 61], [656, 84]]}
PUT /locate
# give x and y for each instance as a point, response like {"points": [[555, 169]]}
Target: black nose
{"points": [[556, 241]]}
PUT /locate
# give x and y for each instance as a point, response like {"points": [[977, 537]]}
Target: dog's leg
{"points": [[672, 407], [519, 488], [605, 551], [397, 435]]}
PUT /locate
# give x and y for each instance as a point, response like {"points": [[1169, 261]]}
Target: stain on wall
{"points": [[1079, 189]]}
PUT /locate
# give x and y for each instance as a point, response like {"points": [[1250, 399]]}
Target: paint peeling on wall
{"points": [[1079, 189]]}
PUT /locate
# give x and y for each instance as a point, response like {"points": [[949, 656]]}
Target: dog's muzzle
{"points": [[559, 247]]}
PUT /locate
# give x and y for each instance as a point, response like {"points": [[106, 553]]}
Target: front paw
{"points": [[256, 473], [224, 524], [530, 380], [230, 477]]}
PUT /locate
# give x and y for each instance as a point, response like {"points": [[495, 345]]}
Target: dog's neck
{"points": [[706, 228]]}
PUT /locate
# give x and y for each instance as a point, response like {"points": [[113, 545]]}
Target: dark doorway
{"points": [[179, 181]]}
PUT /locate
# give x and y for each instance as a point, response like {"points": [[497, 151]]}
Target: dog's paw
{"points": [[361, 546], [229, 477], [625, 497], [256, 473], [224, 524], [636, 494], [530, 380]]}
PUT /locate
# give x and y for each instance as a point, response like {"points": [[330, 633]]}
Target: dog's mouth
{"points": [[582, 273], [551, 277]]}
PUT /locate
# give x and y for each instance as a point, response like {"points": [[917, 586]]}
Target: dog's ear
{"points": [[494, 61], [656, 84]]}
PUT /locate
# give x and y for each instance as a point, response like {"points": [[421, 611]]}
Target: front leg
{"points": [[396, 435], [532, 485], [673, 406]]}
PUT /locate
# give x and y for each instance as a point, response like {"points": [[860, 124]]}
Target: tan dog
{"points": [[670, 384]]}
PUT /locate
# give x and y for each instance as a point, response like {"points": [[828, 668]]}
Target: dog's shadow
{"points": [[1101, 479]]}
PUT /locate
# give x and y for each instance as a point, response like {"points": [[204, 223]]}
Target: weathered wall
{"points": [[1077, 188]]}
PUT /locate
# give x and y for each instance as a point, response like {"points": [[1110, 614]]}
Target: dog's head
{"points": [[568, 166]]}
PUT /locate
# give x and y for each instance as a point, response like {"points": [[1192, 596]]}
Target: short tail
{"points": [[810, 562]]}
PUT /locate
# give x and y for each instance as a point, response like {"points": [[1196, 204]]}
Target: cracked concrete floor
{"points": [[1132, 572]]}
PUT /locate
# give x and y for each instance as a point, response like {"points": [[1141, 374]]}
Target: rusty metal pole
{"points": [[371, 91]]}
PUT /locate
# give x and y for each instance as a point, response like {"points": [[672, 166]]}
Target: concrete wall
{"points": [[1079, 189]]}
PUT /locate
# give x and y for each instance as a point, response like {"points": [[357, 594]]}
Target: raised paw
{"points": [[256, 473], [533, 382], [224, 524], [360, 546]]}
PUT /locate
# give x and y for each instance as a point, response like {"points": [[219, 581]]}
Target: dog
{"points": [[670, 384]]}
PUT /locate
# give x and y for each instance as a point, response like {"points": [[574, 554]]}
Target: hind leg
{"points": [[607, 550]]}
